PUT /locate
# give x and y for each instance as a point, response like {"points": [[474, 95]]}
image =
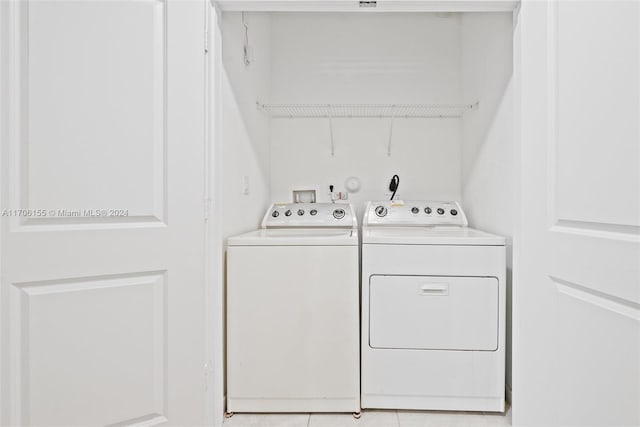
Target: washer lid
{"points": [[297, 237], [436, 235]]}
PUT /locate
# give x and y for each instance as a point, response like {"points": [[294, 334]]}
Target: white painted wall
{"points": [[245, 130], [372, 58], [488, 163]]}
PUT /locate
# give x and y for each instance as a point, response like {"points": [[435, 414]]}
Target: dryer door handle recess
{"points": [[434, 289]]}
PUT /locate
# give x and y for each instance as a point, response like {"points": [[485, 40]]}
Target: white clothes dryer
{"points": [[293, 312], [433, 309]]}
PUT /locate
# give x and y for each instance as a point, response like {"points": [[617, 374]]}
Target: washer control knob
{"points": [[440, 211], [414, 210], [338, 213], [428, 210], [313, 212], [275, 214], [381, 211], [300, 212], [454, 212], [288, 212]]}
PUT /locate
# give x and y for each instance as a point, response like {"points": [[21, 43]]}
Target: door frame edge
{"points": [[214, 251]]}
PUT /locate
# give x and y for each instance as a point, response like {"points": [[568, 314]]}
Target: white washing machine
{"points": [[433, 309], [293, 312]]}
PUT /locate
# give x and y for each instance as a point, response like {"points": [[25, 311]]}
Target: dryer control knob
{"points": [[288, 212], [454, 212], [275, 214], [414, 210], [300, 212], [313, 212], [428, 210], [440, 211], [381, 211], [338, 213]]}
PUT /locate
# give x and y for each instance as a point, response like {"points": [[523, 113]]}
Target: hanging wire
{"points": [[245, 48]]}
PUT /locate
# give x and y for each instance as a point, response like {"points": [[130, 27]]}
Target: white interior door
{"points": [[576, 309], [102, 272]]}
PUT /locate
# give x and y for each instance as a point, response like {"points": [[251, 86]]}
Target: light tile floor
{"points": [[374, 419]]}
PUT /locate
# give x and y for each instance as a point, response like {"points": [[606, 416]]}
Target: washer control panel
{"points": [[285, 215], [414, 213]]}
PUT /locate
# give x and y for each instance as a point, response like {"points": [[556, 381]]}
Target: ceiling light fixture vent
{"points": [[365, 3]]}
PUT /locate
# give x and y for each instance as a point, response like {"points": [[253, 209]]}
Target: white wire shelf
{"points": [[407, 111], [390, 111]]}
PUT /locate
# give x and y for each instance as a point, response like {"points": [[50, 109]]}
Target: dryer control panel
{"points": [[414, 213], [291, 215]]}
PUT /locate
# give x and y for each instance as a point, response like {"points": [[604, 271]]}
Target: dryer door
{"points": [[433, 312]]}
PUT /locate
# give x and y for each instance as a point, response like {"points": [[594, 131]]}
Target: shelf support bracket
{"points": [[331, 130], [393, 116]]}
